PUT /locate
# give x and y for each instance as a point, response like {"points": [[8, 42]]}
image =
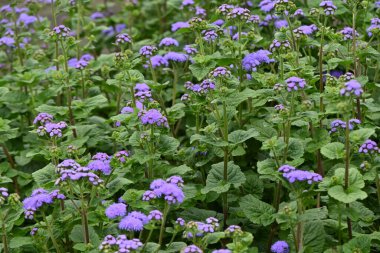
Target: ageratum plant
{"points": [[189, 126]]}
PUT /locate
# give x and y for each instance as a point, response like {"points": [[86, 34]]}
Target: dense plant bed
{"points": [[189, 126]]}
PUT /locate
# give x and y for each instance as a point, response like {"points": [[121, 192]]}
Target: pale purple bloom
{"points": [[99, 165], [267, 5], [166, 42], [220, 72], [222, 251], [123, 38], [180, 222], [219, 22], [122, 156], [279, 107], [171, 193], [285, 169], [187, 3], [351, 87], [3, 192], [236, 35], [191, 249], [280, 23], [190, 50], [25, 19], [81, 64], [8, 41], [329, 7], [55, 129], [147, 51], [200, 11], [153, 117], [299, 12], [302, 175], [252, 61], [157, 183], [210, 35], [177, 180], [279, 45], [369, 146], [225, 8], [33, 231], [295, 83], [178, 25], [305, 30], [157, 61], [68, 164], [43, 118], [239, 13], [111, 31], [141, 87], [116, 210], [148, 195], [130, 223], [176, 57], [280, 247], [155, 215], [61, 31], [126, 110], [233, 228], [254, 19], [97, 15], [348, 33]]}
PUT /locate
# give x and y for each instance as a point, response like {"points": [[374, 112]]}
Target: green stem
{"points": [[294, 42], [175, 81], [86, 234], [50, 231], [300, 225], [377, 184], [4, 236], [162, 229], [225, 163], [347, 171]]}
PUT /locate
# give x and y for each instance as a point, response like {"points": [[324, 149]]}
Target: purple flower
{"points": [[37, 199], [206, 228], [178, 25], [232, 229], [61, 31], [33, 231], [200, 11], [126, 110], [171, 193], [176, 57], [148, 195], [254, 19], [166, 42], [279, 107], [218, 22], [348, 33], [155, 215], [107, 242], [147, 51], [351, 87], [220, 72], [181, 222], [68, 164], [123, 38], [225, 8], [177, 180], [279, 45], [187, 3], [141, 87], [139, 215], [280, 247], [157, 183], [122, 156], [81, 64], [190, 50], [336, 124], [280, 23], [192, 248], [78, 174], [236, 35], [302, 175], [370, 147], [43, 118], [8, 41], [97, 15], [3, 192], [239, 13], [130, 223], [157, 61], [222, 251], [329, 7], [99, 165], [305, 30], [116, 210], [54, 129], [101, 156], [253, 60], [25, 19], [267, 5], [153, 117], [294, 83], [285, 169], [209, 35], [299, 12]]}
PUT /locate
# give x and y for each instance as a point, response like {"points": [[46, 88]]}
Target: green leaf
{"points": [[361, 135], [201, 70], [80, 246], [215, 179], [257, 211], [54, 110], [314, 236], [321, 138], [152, 247], [167, 145], [360, 244], [45, 175], [180, 170], [18, 242], [346, 196], [76, 235], [334, 150], [117, 184], [266, 167], [296, 148], [174, 247], [217, 142], [240, 136], [212, 238]]}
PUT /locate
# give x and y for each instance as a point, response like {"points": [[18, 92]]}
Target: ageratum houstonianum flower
{"points": [[33, 231], [239, 13], [25, 19], [181, 222], [123, 38], [267, 5], [285, 169], [120, 244], [199, 11], [233, 229], [157, 61], [339, 124], [280, 23], [299, 13], [116, 210], [61, 31], [210, 35], [171, 193], [68, 164], [167, 42], [302, 176], [126, 110], [153, 117], [348, 33], [191, 249], [220, 72], [295, 83], [222, 251], [80, 173], [134, 221], [147, 51], [149, 195], [190, 50], [225, 8], [177, 180], [176, 57], [97, 15], [352, 87], [178, 25], [43, 118], [369, 147], [52, 129], [374, 28], [37, 199], [279, 107], [252, 61], [277, 45], [328, 7], [99, 165], [3, 194], [155, 215], [121, 156], [7, 41], [280, 247], [305, 30]]}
